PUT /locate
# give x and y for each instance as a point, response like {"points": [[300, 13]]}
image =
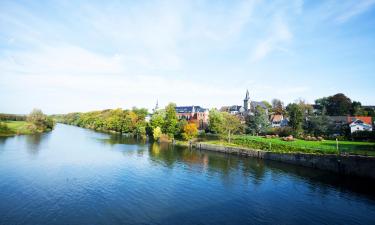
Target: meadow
{"points": [[15, 127], [302, 146]]}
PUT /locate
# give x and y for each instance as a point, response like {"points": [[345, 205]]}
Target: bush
{"points": [[280, 131], [363, 136], [4, 129], [157, 133], [40, 121]]}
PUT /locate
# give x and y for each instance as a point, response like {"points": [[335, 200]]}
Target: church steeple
{"points": [[246, 101], [247, 97], [156, 106]]}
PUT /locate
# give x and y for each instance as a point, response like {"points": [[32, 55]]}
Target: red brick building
{"points": [[193, 114]]}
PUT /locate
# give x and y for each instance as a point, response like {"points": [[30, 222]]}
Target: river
{"points": [[77, 176]]}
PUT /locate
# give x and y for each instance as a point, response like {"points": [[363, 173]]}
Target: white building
{"points": [[359, 125]]}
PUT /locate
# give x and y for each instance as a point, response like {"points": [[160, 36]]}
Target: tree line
{"points": [[117, 120], [303, 119], [37, 122]]}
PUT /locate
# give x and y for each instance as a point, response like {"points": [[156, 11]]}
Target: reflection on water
{"points": [[33, 142], [77, 176]]}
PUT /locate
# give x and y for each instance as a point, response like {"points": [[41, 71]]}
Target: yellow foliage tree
{"points": [[190, 131]]}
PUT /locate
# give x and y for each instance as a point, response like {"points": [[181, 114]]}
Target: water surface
{"points": [[77, 176]]}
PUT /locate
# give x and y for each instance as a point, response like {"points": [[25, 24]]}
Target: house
{"points": [[278, 121], [355, 123], [365, 119], [234, 109], [359, 125], [193, 114]]}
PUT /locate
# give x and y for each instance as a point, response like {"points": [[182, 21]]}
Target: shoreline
{"points": [[349, 165]]}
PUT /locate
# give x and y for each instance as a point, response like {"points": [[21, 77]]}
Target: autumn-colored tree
{"points": [[190, 131], [277, 106], [157, 133]]}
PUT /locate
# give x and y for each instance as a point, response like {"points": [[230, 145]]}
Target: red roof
{"points": [[365, 119]]}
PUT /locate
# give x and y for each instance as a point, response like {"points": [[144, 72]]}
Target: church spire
{"points": [[247, 97], [246, 101], [156, 106]]}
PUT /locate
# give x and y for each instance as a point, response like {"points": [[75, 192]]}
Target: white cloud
{"points": [[59, 60], [279, 35], [358, 7]]}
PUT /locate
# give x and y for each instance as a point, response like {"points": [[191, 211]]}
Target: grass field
{"points": [[16, 127], [320, 147]]}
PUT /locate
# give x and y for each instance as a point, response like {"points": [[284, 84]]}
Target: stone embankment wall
{"points": [[362, 166]]}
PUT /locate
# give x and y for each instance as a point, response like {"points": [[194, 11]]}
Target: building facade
{"points": [[194, 114]]}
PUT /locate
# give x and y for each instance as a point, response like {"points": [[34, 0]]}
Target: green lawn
{"points": [[320, 147], [17, 127]]}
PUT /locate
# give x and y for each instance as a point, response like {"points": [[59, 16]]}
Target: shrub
{"points": [[42, 122], [157, 133], [363, 135], [4, 129], [280, 131]]}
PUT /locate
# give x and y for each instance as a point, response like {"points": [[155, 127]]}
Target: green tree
{"points": [[323, 105], [295, 114], [268, 105], [339, 105], [231, 125], [41, 121], [157, 119], [356, 109], [181, 125], [140, 131], [215, 121], [258, 122], [170, 121], [141, 113], [317, 125]]}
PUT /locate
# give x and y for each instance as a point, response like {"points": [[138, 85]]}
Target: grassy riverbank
{"points": [[15, 128], [302, 146]]}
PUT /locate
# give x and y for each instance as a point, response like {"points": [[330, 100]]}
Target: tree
{"points": [[156, 133], [170, 121], [295, 117], [356, 109], [157, 119], [277, 106], [306, 108], [339, 105], [141, 113], [317, 125], [181, 125], [231, 125], [323, 104], [268, 105], [215, 121], [258, 122], [190, 131], [40, 121], [140, 131]]}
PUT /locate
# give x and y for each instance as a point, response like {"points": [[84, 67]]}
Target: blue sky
{"points": [[64, 56]]}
